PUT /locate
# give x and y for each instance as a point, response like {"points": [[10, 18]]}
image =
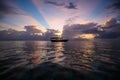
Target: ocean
{"points": [[97, 59]]}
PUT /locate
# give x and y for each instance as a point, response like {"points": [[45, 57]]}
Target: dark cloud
{"points": [[6, 7], [32, 29], [115, 6], [111, 29], [50, 33], [71, 5], [54, 3], [112, 32], [110, 22], [31, 33], [70, 31]]}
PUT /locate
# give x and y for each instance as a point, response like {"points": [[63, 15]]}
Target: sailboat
{"points": [[58, 39]]}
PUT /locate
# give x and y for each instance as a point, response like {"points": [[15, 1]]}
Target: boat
{"points": [[58, 39]]}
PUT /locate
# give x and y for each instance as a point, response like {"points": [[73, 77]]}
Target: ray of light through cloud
{"points": [[60, 13], [20, 20], [31, 9], [54, 14]]}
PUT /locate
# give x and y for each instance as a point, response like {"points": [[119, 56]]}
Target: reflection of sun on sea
{"points": [[59, 56]]}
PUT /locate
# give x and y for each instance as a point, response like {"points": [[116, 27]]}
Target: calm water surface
{"points": [[35, 60]]}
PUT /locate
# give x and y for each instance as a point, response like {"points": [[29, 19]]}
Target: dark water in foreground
{"points": [[73, 60]]}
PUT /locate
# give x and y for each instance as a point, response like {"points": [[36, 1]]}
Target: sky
{"points": [[53, 14]]}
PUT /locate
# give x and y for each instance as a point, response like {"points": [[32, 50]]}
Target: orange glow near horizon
{"points": [[59, 34], [84, 22], [86, 36]]}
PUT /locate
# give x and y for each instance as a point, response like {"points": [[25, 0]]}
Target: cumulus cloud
{"points": [[111, 29], [110, 22], [70, 31], [32, 29], [50, 33]]}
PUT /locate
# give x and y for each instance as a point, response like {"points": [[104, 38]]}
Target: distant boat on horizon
{"points": [[58, 39]]}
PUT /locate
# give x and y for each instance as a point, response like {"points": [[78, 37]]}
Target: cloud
{"points": [[71, 20], [54, 3], [70, 5], [7, 8], [4, 25], [111, 29], [32, 29], [4, 8], [110, 22], [61, 13], [115, 6], [71, 31], [19, 21]]}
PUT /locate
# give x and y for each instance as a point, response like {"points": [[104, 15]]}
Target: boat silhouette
{"points": [[58, 39]]}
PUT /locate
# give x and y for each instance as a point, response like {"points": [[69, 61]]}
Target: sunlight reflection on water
{"points": [[87, 55]]}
